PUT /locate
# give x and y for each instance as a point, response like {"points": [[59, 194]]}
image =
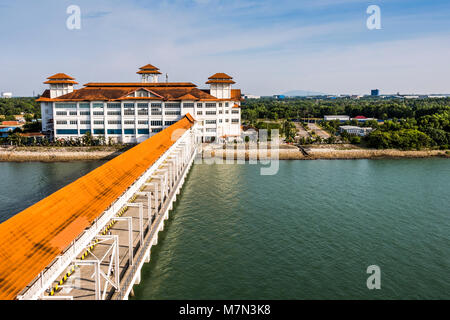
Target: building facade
{"points": [[132, 112], [354, 130]]}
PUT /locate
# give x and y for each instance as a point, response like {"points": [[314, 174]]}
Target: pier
{"points": [[90, 239]]}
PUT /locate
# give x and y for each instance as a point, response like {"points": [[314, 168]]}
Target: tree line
{"points": [[408, 123], [14, 106]]}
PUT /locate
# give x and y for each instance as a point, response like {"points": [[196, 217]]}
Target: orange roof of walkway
{"points": [[33, 238]]}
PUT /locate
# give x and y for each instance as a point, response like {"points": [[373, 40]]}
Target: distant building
{"points": [[251, 96], [333, 118], [354, 130], [7, 95], [363, 119], [375, 92], [279, 96], [6, 127]]}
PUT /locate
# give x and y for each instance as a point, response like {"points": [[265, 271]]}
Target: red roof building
{"points": [[98, 106]]}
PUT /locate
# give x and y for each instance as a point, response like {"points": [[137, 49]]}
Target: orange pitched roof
{"points": [[236, 106], [33, 238], [60, 81], [60, 76], [236, 94], [220, 81], [188, 96], [11, 123], [220, 75], [121, 93], [149, 67]]}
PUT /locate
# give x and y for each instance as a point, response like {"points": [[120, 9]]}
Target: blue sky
{"points": [[269, 47]]}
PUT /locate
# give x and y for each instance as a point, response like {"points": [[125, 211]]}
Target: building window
{"points": [[235, 111], [199, 113], [65, 105], [210, 105], [61, 122], [85, 105], [97, 105], [220, 111], [128, 105], [114, 131], [128, 112], [99, 122], [84, 113], [98, 113], [156, 130], [85, 122], [99, 131], [73, 122], [169, 123], [128, 122], [210, 122], [210, 113], [199, 105], [173, 105], [188, 105], [234, 120], [226, 104], [72, 113], [210, 129], [156, 105], [84, 131], [114, 122], [156, 123], [114, 113], [61, 113], [66, 131], [172, 113], [143, 131], [143, 105], [143, 122], [143, 112], [156, 112], [113, 105], [129, 131]]}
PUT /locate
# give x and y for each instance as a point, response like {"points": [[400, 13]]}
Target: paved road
{"points": [[301, 132], [318, 130]]}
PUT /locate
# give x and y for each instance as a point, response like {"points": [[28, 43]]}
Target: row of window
{"points": [[117, 105], [127, 122], [109, 131]]}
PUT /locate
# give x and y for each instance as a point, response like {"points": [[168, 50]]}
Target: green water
{"points": [[309, 232], [25, 183]]}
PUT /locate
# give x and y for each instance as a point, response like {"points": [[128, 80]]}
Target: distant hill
{"points": [[302, 93]]}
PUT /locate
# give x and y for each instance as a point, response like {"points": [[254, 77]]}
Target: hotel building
{"points": [[132, 112]]}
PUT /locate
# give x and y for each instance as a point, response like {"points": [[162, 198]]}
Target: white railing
{"points": [[62, 262]]}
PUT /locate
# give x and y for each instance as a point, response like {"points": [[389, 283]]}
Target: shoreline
{"points": [[285, 152]]}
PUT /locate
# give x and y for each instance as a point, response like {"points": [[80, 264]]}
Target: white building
{"points": [[7, 95], [354, 130], [340, 118], [132, 112]]}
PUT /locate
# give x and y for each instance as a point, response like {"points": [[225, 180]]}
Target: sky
{"points": [[269, 47]]}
